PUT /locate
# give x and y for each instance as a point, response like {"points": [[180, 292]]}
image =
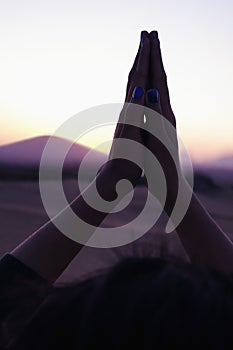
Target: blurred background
{"points": [[60, 57]]}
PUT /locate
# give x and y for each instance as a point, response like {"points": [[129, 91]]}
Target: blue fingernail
{"points": [[153, 96], [138, 92]]}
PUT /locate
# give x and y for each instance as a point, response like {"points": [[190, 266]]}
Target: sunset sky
{"points": [[60, 57]]}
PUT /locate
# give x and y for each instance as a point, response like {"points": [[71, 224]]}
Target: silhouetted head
{"points": [[138, 304]]}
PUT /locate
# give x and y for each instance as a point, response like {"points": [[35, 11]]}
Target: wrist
{"points": [[112, 173], [179, 186]]}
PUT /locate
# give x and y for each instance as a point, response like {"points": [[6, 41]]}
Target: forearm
{"points": [[48, 251], [203, 239]]}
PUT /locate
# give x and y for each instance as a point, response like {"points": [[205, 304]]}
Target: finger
{"points": [[152, 103], [159, 78], [140, 76], [150, 81], [142, 70], [154, 121], [129, 126], [144, 34], [153, 100], [156, 52], [136, 86], [132, 113]]}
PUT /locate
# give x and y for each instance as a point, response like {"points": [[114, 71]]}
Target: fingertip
{"points": [[138, 92], [154, 38], [154, 35], [144, 36], [153, 96], [152, 100]]}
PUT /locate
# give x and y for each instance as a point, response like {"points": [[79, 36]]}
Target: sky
{"points": [[60, 57]]}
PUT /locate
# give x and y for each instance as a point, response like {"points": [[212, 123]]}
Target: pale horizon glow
{"points": [[59, 58]]}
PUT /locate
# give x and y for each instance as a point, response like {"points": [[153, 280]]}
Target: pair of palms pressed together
{"points": [[140, 303], [147, 91]]}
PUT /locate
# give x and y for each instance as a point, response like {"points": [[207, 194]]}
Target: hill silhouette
{"points": [[21, 160]]}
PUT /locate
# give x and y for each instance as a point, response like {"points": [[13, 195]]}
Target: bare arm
{"points": [[48, 251], [202, 238]]}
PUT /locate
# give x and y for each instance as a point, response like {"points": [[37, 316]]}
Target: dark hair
{"points": [[138, 304]]}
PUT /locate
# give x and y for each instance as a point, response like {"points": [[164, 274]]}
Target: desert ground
{"points": [[22, 212]]}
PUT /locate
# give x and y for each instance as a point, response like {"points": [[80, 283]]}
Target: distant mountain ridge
{"points": [[22, 159], [221, 162]]}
